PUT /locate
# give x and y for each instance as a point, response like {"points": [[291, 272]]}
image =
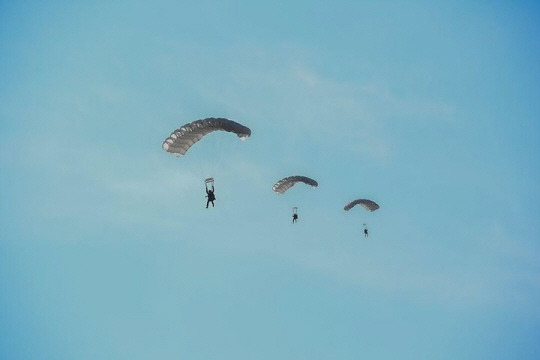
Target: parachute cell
{"points": [[285, 184], [182, 139], [366, 204]]}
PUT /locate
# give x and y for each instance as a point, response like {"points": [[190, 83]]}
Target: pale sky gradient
{"points": [[429, 108]]}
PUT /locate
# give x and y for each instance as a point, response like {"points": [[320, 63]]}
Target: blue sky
{"points": [[429, 108]]}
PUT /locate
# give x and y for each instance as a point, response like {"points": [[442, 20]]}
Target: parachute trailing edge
{"points": [[285, 184], [366, 204], [182, 139]]}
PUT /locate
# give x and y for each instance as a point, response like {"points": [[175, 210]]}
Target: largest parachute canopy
{"points": [[366, 204], [285, 184], [182, 139]]}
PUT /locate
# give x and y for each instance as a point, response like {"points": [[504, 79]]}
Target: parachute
{"points": [[285, 184], [366, 204], [182, 139]]}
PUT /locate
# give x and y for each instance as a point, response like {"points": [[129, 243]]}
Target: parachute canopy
{"points": [[285, 184], [367, 204], [182, 139]]}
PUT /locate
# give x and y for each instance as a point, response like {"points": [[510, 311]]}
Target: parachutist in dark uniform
{"points": [[294, 218], [365, 232], [210, 195]]}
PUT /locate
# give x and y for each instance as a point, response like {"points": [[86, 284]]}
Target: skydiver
{"points": [[294, 217], [365, 232], [210, 195]]}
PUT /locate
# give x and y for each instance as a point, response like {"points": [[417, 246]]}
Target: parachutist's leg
{"points": [[207, 202]]}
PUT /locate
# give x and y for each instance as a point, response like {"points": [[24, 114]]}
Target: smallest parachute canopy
{"points": [[285, 184], [366, 204]]}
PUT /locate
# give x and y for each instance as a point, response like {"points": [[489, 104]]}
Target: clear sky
{"points": [[432, 109]]}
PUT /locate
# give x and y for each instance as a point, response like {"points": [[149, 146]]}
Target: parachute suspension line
{"points": [[204, 152], [207, 153], [218, 146], [215, 146], [202, 166], [209, 162]]}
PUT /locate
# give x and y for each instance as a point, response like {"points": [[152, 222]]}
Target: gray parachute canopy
{"points": [[367, 204], [182, 139], [285, 184]]}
